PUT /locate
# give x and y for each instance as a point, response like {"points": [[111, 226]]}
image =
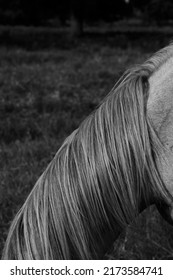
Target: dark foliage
{"points": [[38, 12]]}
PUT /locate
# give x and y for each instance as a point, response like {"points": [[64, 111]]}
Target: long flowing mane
{"points": [[103, 175]]}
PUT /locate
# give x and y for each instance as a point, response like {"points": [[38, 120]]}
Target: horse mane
{"points": [[103, 175]]}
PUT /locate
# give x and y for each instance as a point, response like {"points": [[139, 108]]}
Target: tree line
{"points": [[40, 12]]}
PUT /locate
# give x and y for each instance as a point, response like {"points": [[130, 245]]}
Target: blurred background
{"points": [[58, 59]]}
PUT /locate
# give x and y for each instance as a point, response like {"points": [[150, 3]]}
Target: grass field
{"points": [[48, 85]]}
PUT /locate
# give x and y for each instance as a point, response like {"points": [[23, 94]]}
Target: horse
{"points": [[117, 163]]}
